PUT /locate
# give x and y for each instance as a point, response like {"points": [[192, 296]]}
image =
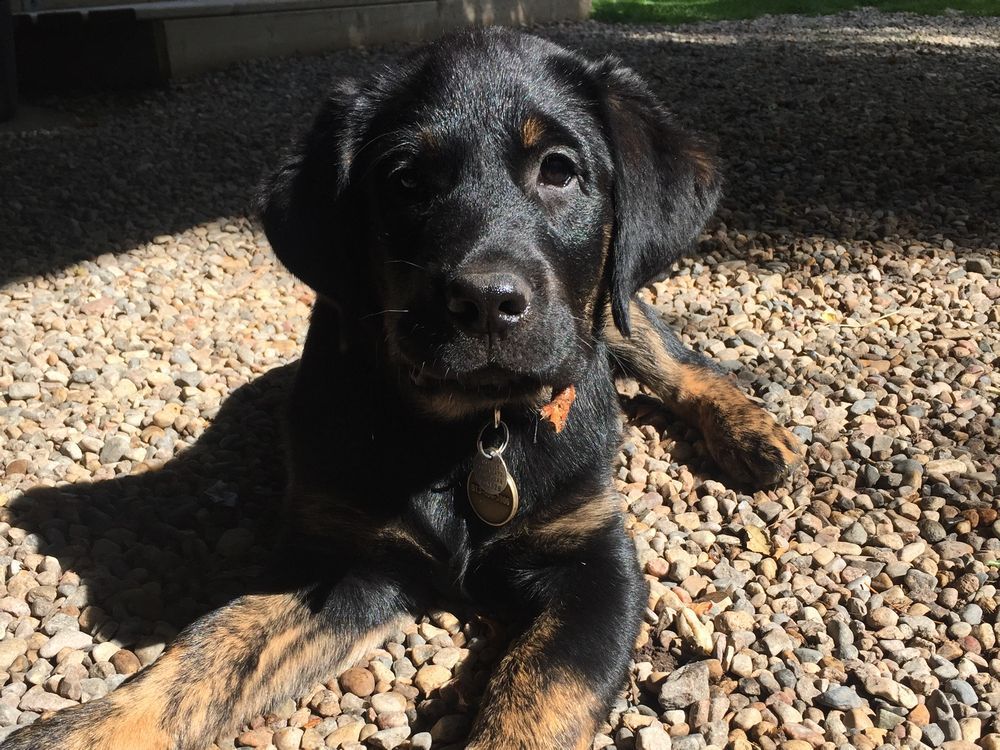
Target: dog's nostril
{"points": [[515, 304], [487, 302], [463, 309]]}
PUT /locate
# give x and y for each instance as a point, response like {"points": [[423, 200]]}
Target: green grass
{"points": [[687, 11]]}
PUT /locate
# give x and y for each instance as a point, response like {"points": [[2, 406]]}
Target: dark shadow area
{"points": [[121, 168], [844, 138], [684, 11], [156, 550], [848, 138], [71, 51]]}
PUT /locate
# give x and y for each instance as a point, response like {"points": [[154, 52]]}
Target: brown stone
{"points": [[125, 662], [431, 677], [920, 716], [18, 466], [260, 737], [359, 681]]}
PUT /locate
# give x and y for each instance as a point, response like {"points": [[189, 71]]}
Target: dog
{"points": [[476, 221]]}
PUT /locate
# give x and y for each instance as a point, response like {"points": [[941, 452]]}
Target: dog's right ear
{"points": [[303, 204], [666, 184]]}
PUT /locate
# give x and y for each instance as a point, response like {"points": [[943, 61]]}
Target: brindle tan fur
{"points": [[743, 438]]}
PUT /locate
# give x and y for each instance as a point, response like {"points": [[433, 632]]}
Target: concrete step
{"points": [[155, 41]]}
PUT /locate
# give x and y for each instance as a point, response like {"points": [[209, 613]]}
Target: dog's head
{"points": [[479, 206]]}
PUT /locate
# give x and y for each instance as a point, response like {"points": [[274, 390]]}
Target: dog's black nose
{"points": [[484, 303]]}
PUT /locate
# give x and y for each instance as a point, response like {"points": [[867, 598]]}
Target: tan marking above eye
{"points": [[532, 130], [429, 139]]}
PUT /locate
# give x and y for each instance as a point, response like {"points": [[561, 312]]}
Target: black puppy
{"points": [[476, 222]]}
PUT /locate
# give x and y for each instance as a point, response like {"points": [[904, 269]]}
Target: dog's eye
{"points": [[556, 170], [406, 178]]}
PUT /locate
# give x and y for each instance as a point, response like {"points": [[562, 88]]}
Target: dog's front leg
{"points": [[742, 438], [559, 677], [225, 668]]}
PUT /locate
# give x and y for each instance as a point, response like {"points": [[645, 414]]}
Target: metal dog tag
{"points": [[491, 489], [496, 509], [489, 472]]}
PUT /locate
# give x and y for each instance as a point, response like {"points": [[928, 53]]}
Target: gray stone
{"points": [[8, 714], [84, 376], [59, 621], [808, 655], [978, 265], [387, 739], [933, 735], [938, 705], [863, 406], [23, 391], [888, 720], [855, 534], [37, 699], [840, 697], [961, 690], [843, 639], [689, 742], [72, 639], [93, 688], [972, 614], [921, 586], [931, 531], [115, 448], [652, 738], [785, 678], [951, 729], [684, 686]]}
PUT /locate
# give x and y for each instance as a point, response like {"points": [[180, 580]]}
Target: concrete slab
{"points": [[198, 44], [150, 42]]}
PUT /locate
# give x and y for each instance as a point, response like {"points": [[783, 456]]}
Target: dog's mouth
{"points": [[491, 382]]}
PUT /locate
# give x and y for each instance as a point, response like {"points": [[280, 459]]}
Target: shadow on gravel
{"points": [[850, 140], [846, 139], [158, 549]]}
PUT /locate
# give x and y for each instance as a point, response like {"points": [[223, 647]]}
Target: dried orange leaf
{"points": [[700, 608], [557, 410]]}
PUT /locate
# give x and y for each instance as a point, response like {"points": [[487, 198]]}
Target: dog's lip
{"points": [[491, 377]]}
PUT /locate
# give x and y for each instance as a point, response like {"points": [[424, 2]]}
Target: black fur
{"points": [[452, 117], [665, 186]]}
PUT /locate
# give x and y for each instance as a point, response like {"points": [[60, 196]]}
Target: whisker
{"points": [[406, 262], [381, 312]]}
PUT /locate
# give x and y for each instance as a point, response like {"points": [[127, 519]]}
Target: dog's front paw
{"points": [[747, 443]]}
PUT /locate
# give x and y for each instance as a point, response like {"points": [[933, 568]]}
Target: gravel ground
{"points": [[850, 280]]}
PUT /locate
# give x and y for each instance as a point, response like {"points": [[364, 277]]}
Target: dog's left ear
{"points": [[304, 204], [666, 184]]}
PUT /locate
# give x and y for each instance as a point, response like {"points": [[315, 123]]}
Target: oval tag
{"points": [[495, 509]]}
